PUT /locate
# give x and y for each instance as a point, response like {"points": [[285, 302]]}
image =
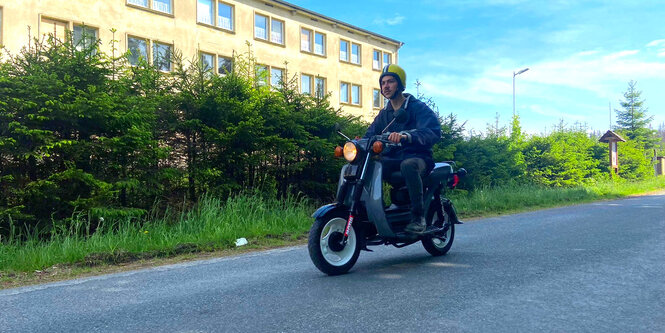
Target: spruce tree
{"points": [[633, 120]]}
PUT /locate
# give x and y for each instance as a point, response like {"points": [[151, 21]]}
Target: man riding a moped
{"points": [[397, 148]]}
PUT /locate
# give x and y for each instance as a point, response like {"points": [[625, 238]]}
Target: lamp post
{"points": [[514, 75]]}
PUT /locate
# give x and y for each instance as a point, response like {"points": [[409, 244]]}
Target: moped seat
{"points": [[439, 174]]}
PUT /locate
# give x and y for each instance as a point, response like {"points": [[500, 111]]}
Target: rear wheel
{"points": [[325, 246], [440, 244]]}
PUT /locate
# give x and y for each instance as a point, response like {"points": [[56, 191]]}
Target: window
{"points": [[260, 26], [376, 59], [224, 65], [308, 36], [355, 53], [306, 84], [161, 56], [207, 61], [50, 27], [277, 31], [386, 59], [319, 43], [0, 26], [276, 75], [261, 72], [204, 11], [84, 37], [344, 92], [320, 86], [138, 49], [263, 24], [305, 40], [343, 50], [164, 6], [215, 13], [142, 3], [376, 98], [225, 16], [355, 94]]}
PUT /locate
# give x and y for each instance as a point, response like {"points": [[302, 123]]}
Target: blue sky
{"points": [[581, 55]]}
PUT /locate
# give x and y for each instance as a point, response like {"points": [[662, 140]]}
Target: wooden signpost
{"points": [[612, 138]]}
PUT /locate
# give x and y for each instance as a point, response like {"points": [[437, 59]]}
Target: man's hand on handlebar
{"points": [[396, 137]]}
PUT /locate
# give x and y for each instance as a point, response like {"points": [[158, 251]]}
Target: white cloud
{"points": [[556, 114], [658, 44], [397, 19]]}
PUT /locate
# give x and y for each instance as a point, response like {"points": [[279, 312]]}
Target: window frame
{"points": [[313, 34], [348, 53], [379, 61], [148, 56], [310, 85], [213, 68], [43, 19], [269, 26], [232, 19], [259, 80], [282, 32], [150, 7], [218, 67], [348, 93], [323, 92], [150, 50], [383, 59], [360, 95], [323, 44], [310, 40], [359, 56], [374, 106], [156, 43], [211, 12], [275, 85], [215, 16], [2, 22], [95, 29], [266, 29]]}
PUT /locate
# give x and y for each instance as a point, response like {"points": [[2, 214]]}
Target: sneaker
{"points": [[417, 225]]}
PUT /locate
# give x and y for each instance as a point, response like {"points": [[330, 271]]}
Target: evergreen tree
{"points": [[633, 120]]}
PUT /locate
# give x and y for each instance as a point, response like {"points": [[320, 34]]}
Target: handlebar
{"points": [[384, 138]]}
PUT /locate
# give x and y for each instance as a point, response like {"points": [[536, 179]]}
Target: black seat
{"points": [[439, 174]]}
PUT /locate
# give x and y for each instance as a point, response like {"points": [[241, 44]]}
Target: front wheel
{"points": [[325, 246], [440, 244]]}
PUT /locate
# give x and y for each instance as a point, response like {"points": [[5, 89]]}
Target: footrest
{"points": [[432, 230]]}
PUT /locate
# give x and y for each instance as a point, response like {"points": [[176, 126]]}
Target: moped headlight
{"points": [[350, 151]]}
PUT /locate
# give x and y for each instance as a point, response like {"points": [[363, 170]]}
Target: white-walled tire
{"points": [[325, 250], [438, 246]]}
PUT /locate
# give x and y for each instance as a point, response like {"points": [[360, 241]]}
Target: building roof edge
{"points": [[313, 13]]}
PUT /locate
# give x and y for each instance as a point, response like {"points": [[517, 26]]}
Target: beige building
{"points": [[327, 55]]}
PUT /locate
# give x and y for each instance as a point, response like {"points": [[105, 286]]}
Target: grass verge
{"points": [[213, 226]]}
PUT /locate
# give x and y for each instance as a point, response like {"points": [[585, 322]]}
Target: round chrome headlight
{"points": [[350, 151]]}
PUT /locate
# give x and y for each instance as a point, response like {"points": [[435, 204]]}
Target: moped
{"points": [[359, 218]]}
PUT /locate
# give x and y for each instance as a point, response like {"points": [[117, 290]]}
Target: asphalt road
{"points": [[588, 268]]}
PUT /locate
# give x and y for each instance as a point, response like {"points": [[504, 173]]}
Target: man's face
{"points": [[388, 86]]}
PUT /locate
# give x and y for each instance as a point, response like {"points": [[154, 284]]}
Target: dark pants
{"points": [[413, 170]]}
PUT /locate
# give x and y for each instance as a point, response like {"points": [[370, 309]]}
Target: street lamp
{"points": [[514, 75]]}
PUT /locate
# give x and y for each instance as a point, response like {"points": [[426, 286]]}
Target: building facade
{"points": [[326, 55]]}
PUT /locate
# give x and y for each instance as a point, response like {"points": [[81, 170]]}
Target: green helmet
{"points": [[396, 72]]}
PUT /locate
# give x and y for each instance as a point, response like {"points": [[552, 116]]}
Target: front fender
{"points": [[323, 210]]}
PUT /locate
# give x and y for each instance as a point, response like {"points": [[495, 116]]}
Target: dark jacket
{"points": [[422, 129]]}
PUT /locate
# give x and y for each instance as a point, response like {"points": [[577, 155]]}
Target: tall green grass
{"points": [[514, 198], [214, 224], [211, 225]]}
